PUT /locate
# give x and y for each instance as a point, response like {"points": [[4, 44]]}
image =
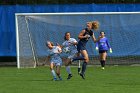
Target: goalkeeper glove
{"points": [[96, 48], [110, 50]]}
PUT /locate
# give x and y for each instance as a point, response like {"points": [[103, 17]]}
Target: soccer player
{"points": [[56, 61], [84, 36], [70, 44], [103, 46]]}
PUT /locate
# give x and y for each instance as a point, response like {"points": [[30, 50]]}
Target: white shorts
{"points": [[57, 64], [72, 54]]}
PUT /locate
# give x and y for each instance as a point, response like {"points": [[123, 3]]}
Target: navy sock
{"points": [[78, 58], [84, 67], [102, 63]]}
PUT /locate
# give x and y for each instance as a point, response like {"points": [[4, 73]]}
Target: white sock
{"points": [[68, 69], [53, 73]]}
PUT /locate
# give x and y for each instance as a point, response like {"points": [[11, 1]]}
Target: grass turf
{"points": [[114, 79]]}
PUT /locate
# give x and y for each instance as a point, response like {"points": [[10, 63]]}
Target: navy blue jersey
{"points": [[85, 40], [82, 42]]}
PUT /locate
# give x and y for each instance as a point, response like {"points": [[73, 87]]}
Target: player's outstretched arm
{"points": [[94, 38]]}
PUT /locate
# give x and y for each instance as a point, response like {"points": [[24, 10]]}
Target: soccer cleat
{"points": [[69, 76], [82, 75], [54, 79], [60, 78], [79, 69]]}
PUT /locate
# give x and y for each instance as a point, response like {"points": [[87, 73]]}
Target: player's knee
{"points": [[58, 73], [86, 59], [66, 63], [51, 68], [102, 58]]}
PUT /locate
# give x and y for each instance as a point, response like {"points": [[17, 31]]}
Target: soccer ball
{"points": [[66, 49]]}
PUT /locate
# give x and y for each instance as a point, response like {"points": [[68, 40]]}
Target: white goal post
{"points": [[34, 29]]}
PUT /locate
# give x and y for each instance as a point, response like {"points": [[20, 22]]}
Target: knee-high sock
{"points": [[84, 67], [68, 69], [102, 63], [53, 73], [78, 58]]}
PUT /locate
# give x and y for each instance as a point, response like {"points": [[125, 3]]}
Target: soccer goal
{"points": [[33, 30]]}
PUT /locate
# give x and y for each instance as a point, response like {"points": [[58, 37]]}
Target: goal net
{"points": [[33, 30]]}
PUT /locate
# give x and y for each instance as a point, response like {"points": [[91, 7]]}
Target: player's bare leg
{"points": [[103, 59], [58, 72]]}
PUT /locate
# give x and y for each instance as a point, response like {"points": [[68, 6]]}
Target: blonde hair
{"points": [[95, 24]]}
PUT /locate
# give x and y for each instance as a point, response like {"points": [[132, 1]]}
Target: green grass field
{"points": [[114, 79]]}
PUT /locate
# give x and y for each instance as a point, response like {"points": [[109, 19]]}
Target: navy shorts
{"points": [[80, 47], [102, 51]]}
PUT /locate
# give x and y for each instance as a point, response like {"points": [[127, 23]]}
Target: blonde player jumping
{"points": [[84, 36]]}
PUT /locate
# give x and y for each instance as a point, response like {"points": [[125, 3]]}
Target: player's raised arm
{"points": [[59, 49], [74, 42]]}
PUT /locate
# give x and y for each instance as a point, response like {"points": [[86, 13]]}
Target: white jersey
{"points": [[55, 54], [69, 44]]}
